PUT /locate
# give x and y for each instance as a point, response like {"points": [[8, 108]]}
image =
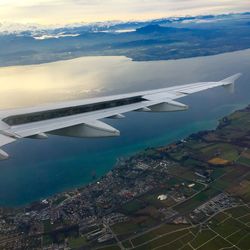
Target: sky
{"points": [[52, 12]]}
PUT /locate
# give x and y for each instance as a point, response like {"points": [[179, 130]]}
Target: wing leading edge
{"points": [[81, 118]]}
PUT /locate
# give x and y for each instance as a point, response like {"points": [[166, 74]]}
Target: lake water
{"points": [[40, 168]]}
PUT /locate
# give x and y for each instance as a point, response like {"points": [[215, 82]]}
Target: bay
{"points": [[40, 168]]}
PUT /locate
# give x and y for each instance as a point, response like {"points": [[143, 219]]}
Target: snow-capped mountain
{"points": [[75, 29]]}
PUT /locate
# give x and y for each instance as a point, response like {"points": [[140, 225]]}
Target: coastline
{"points": [[45, 166], [211, 126], [183, 184]]}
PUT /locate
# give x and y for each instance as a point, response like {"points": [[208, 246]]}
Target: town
{"points": [[166, 196]]}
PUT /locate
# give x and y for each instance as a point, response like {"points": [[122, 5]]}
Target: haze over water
{"points": [[41, 168]]}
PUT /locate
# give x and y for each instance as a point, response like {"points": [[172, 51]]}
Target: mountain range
{"points": [[160, 39]]}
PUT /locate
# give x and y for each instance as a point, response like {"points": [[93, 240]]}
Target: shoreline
{"points": [[185, 183], [126, 158], [127, 57], [56, 172]]}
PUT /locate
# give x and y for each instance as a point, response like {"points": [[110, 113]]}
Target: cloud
{"points": [[68, 11]]}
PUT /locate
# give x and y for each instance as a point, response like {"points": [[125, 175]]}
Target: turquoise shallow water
{"points": [[38, 169]]}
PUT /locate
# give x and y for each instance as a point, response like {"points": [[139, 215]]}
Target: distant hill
{"points": [[160, 39], [156, 28]]}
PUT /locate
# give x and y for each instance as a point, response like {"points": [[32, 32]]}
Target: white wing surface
{"points": [[82, 118]]}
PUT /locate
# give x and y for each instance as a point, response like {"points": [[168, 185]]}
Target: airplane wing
{"points": [[81, 118]]}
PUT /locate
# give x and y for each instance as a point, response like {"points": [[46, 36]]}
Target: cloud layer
{"points": [[68, 11]]}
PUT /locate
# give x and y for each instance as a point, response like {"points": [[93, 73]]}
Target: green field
{"points": [[161, 240], [197, 200], [77, 242], [202, 237], [238, 211], [111, 247], [126, 228], [229, 178], [244, 161], [226, 151], [215, 243], [224, 230], [165, 229]]}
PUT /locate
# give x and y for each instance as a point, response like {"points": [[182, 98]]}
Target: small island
{"points": [[191, 194]]}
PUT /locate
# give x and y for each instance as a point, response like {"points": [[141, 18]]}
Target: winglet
{"points": [[228, 83], [232, 78]]}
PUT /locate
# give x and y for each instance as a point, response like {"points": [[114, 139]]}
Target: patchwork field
{"points": [[229, 229]]}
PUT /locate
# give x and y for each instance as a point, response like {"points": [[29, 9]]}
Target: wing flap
{"points": [[88, 129]]}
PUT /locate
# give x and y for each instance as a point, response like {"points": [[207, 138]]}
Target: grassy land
{"points": [[77, 242], [224, 230], [163, 240], [244, 161], [197, 200], [227, 152], [165, 229], [111, 247]]}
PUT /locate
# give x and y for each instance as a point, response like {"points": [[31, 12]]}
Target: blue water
{"points": [[38, 169]]}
